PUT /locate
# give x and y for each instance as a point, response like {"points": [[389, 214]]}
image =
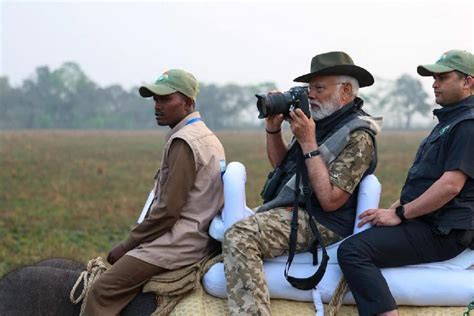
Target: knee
{"points": [[232, 239], [238, 237], [102, 287], [349, 251], [97, 290]]}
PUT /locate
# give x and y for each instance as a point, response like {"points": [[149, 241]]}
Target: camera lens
{"points": [[274, 103]]}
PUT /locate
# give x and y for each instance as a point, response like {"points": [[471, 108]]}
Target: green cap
{"points": [[460, 60], [172, 81]]}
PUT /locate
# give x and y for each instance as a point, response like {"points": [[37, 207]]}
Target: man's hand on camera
{"points": [[304, 130], [273, 122]]}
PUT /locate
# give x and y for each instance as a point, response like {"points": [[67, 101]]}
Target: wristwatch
{"points": [[400, 211], [311, 154]]}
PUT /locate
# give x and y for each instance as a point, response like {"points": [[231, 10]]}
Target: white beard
{"points": [[324, 109]]}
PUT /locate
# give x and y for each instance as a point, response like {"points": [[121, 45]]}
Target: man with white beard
{"points": [[333, 84]]}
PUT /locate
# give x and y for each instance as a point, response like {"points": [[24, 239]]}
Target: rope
{"points": [[95, 267], [470, 307], [336, 299]]}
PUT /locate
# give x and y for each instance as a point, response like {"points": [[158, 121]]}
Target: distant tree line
{"points": [[65, 98], [399, 102]]}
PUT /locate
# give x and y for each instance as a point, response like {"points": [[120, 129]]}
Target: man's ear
{"points": [[347, 88], [469, 81], [190, 104]]}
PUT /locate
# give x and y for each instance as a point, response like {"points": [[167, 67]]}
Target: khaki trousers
{"points": [[117, 286]]}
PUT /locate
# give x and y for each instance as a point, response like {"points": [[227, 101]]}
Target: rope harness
{"points": [[95, 267], [336, 299]]}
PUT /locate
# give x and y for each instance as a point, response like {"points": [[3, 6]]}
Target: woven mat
{"points": [[202, 304]]}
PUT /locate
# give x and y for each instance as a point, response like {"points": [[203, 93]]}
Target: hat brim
{"points": [[364, 77], [155, 89], [429, 70]]}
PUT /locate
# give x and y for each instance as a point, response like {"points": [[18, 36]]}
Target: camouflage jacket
{"points": [[347, 144]]}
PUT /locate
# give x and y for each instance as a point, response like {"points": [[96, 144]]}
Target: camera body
{"points": [[283, 102]]}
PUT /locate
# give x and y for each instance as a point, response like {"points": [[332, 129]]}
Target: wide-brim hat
{"points": [[172, 81], [334, 64]]}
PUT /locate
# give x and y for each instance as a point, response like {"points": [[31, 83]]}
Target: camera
{"points": [[276, 103]]}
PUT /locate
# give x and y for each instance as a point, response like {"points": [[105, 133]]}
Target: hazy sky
{"points": [[130, 43]]}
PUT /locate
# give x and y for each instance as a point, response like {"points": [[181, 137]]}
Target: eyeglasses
{"points": [[320, 88]]}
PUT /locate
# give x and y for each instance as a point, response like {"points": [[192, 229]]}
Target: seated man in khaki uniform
{"points": [[188, 194]]}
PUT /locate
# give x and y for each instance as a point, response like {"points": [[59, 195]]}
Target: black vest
{"points": [[341, 221], [428, 167]]}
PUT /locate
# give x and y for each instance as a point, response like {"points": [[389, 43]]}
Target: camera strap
{"points": [[310, 282]]}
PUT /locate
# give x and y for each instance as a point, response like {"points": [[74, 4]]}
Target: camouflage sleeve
{"points": [[346, 171]]}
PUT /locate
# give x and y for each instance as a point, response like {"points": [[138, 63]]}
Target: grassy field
{"points": [[76, 194]]}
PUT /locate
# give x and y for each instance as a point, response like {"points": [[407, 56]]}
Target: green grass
{"points": [[76, 194]]}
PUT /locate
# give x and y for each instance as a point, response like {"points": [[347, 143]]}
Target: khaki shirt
{"points": [[173, 197]]}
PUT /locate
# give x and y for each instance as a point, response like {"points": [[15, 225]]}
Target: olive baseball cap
{"points": [[460, 60], [172, 81], [336, 63]]}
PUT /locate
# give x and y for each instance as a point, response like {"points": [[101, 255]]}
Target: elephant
{"points": [[43, 289]]}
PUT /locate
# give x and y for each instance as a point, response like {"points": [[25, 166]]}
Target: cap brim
{"points": [[364, 77], [429, 70], [150, 90]]}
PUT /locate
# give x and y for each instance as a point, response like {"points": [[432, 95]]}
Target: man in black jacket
{"points": [[434, 218]]}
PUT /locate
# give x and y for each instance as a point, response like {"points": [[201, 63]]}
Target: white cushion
{"points": [[409, 286], [447, 283], [461, 262]]}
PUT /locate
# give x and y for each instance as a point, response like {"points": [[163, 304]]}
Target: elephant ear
{"points": [[38, 290]]}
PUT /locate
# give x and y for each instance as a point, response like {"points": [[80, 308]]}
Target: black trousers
{"points": [[362, 255]]}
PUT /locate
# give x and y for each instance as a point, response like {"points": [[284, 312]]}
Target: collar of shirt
{"points": [[180, 125], [450, 111]]}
